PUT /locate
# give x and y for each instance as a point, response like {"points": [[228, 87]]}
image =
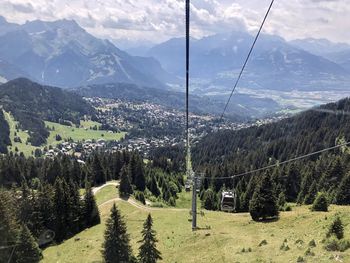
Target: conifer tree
{"points": [[46, 205], [116, 247], [311, 195], [60, 208], [153, 187], [75, 208], [8, 224], [97, 173], [90, 211], [281, 201], [140, 180], [27, 250], [209, 200], [343, 193], [148, 252], [125, 188], [320, 203], [263, 203], [336, 228]]}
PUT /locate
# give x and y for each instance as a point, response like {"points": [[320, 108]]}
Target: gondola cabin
{"points": [[228, 201]]}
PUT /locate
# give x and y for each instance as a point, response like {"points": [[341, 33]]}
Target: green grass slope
{"points": [[223, 242]]}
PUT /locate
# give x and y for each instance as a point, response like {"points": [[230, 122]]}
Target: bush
{"points": [[300, 259], [284, 247], [209, 200], [312, 243], [172, 201], [320, 203], [336, 228], [263, 243], [288, 208], [308, 252]]}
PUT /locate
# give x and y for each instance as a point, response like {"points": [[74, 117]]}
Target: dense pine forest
{"points": [[40, 195], [232, 152]]}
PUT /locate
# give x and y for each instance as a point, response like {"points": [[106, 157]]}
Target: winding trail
{"points": [[132, 201], [96, 189]]}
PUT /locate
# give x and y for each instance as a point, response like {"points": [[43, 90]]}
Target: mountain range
{"points": [[275, 63], [61, 53]]}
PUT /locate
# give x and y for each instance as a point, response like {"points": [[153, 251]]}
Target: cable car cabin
{"points": [[228, 201]]}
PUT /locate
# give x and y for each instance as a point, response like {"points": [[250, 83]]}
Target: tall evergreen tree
{"points": [[343, 193], [125, 188], [140, 180], [264, 204], [97, 173], [8, 224], [311, 195], [152, 186], [60, 210], [27, 250], [90, 211], [116, 247], [148, 252]]}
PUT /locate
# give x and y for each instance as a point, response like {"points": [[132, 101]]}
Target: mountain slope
{"points": [[320, 47], [31, 104], [306, 132], [341, 57], [274, 64], [61, 53], [4, 133]]}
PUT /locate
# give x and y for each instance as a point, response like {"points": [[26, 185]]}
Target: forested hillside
{"points": [[31, 104], [232, 152], [4, 133]]}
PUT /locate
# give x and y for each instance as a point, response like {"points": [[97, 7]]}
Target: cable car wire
{"points": [[279, 163], [246, 61]]}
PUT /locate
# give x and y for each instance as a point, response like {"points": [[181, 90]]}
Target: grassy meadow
{"points": [[222, 236], [66, 132]]}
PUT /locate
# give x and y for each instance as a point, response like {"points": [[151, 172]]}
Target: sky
{"points": [[144, 21]]}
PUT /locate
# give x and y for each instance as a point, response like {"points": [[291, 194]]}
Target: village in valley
{"points": [[147, 126]]}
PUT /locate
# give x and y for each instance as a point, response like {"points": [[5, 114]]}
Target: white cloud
{"points": [[157, 20]]}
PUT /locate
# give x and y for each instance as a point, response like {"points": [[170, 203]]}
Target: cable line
{"points": [[187, 83], [246, 61], [279, 163]]}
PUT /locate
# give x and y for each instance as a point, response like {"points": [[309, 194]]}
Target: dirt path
{"points": [[96, 189], [133, 202], [142, 207]]}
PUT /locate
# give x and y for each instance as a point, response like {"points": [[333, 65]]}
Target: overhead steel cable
{"points": [[279, 163], [247, 58], [187, 81]]}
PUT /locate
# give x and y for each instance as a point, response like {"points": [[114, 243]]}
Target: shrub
{"points": [[320, 203], [308, 252], [300, 259], [263, 243], [312, 243], [336, 228]]}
